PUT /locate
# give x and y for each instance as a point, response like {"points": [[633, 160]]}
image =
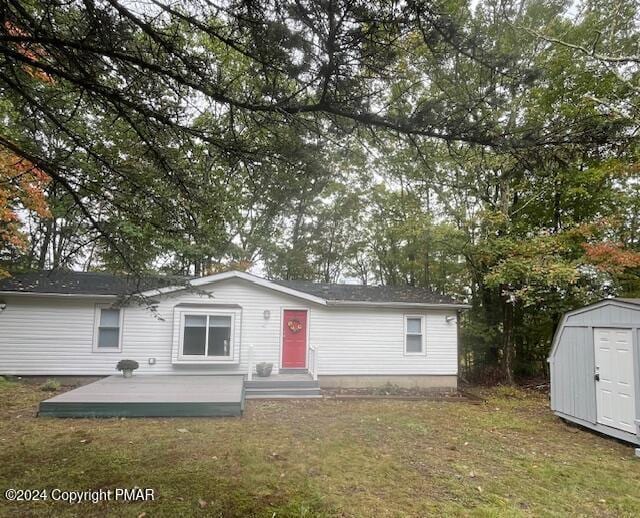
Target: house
{"points": [[73, 323], [595, 368]]}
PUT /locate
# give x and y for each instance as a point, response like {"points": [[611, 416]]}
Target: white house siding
{"points": [[41, 335], [54, 336], [371, 341]]}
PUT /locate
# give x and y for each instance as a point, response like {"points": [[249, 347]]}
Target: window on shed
{"points": [[414, 338]]}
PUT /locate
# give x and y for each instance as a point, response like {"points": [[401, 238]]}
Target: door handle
{"points": [[596, 376]]}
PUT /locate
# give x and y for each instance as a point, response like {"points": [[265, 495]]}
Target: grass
{"points": [[51, 385], [507, 457]]}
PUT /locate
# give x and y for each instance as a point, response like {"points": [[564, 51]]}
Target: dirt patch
{"points": [[403, 393]]}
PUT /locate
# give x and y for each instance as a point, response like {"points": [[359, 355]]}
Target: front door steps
{"points": [[283, 386]]}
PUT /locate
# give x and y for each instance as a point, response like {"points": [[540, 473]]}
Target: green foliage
{"points": [[51, 385], [127, 365]]}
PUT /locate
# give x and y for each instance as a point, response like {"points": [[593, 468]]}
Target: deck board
{"points": [[151, 395]]}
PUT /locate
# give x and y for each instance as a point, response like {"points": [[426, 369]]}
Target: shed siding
{"points": [[573, 387], [572, 363], [40, 335], [607, 315]]}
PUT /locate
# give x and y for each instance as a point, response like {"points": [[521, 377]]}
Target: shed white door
{"points": [[615, 395]]}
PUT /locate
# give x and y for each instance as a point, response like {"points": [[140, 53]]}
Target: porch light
{"points": [[3, 306], [450, 318], [267, 314]]}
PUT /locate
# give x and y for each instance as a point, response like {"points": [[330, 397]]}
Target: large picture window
{"points": [[207, 336]]}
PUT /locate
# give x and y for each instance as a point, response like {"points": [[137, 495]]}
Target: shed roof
{"points": [[628, 300]]}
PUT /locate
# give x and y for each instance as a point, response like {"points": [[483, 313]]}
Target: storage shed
{"points": [[595, 368]]}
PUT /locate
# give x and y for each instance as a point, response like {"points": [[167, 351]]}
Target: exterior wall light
{"points": [[3, 306], [267, 314], [450, 318]]}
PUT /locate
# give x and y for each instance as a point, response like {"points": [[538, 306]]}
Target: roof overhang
{"points": [[258, 281], [57, 295], [397, 305]]}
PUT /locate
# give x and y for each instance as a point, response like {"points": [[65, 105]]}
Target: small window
{"points": [[107, 332], [414, 338], [206, 336]]}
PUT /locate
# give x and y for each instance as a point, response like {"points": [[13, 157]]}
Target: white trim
{"points": [[423, 336], [204, 359], [96, 326], [405, 305], [306, 349], [259, 281]]}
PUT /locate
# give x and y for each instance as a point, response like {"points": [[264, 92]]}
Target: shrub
{"points": [[126, 365], [50, 385], [388, 389]]}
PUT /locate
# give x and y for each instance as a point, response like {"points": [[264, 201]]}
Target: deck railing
{"points": [[250, 374], [313, 362]]}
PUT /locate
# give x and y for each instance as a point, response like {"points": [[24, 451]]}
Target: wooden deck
{"points": [[151, 396]]}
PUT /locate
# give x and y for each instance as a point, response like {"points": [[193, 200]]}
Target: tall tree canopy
{"points": [[488, 151]]}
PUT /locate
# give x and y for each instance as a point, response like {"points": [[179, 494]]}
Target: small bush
{"points": [[388, 389], [50, 385], [127, 365]]}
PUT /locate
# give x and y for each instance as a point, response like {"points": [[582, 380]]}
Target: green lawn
{"points": [[507, 457]]}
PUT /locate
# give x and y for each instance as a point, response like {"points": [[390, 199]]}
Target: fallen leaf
{"points": [[182, 430], [202, 503]]}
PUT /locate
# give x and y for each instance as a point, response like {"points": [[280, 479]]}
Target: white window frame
{"points": [[196, 358], [423, 334], [96, 329]]}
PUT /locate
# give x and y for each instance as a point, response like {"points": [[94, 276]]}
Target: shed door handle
{"points": [[596, 376]]}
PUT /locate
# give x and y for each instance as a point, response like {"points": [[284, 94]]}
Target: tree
{"points": [[21, 187]]}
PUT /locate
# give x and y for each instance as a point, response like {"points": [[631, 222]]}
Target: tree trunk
{"points": [[508, 348]]}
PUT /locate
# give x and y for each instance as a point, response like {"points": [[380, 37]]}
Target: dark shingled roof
{"points": [[92, 283], [360, 293], [83, 283]]}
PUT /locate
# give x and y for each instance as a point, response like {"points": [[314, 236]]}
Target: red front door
{"points": [[294, 339]]}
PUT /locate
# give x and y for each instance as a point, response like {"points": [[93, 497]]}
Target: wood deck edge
{"points": [[140, 409]]}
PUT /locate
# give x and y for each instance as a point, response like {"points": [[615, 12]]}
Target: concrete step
{"points": [[275, 383], [284, 391], [282, 396], [293, 371]]}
